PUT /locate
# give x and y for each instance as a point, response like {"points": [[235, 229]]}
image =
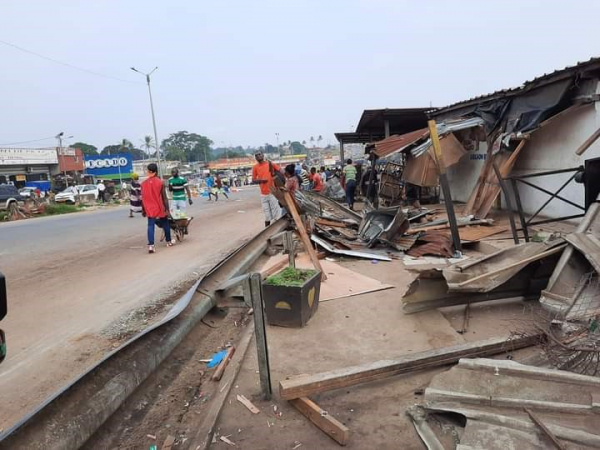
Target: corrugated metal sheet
{"points": [[444, 128], [567, 71], [396, 143]]}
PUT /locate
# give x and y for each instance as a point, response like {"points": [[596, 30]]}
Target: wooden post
{"points": [[289, 246], [254, 287], [435, 140], [291, 207]]}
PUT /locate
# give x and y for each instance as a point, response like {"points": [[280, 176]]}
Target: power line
{"points": [[27, 142], [56, 61]]}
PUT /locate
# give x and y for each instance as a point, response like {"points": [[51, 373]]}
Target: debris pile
{"points": [[382, 232]]}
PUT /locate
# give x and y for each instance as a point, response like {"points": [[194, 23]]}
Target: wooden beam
{"points": [[303, 386], [588, 143], [223, 364], [545, 429], [327, 424], [291, 206]]}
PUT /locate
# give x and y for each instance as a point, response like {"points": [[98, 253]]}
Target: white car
{"points": [[28, 192], [71, 194]]}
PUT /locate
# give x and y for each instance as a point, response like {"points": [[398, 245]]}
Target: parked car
{"points": [[9, 194], [71, 194], [28, 192]]}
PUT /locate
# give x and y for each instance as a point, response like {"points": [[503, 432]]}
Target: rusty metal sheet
{"points": [[397, 142]]}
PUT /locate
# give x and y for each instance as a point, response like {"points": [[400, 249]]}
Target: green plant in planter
{"points": [[290, 277]]}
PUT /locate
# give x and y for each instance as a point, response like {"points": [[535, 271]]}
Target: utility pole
{"points": [[59, 137], [147, 75]]}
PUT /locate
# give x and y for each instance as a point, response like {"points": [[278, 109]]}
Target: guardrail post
{"points": [[260, 333]]}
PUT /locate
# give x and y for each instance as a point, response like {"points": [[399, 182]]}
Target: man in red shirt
{"points": [[155, 206], [316, 179], [262, 174]]}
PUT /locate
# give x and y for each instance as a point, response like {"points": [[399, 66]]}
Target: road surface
{"points": [[79, 284]]}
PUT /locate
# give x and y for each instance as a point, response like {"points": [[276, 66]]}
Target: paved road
{"points": [[78, 284]]}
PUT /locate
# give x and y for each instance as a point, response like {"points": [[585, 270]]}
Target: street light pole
{"points": [[147, 75]]}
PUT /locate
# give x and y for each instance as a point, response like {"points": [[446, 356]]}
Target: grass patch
{"points": [[290, 277], [54, 209]]}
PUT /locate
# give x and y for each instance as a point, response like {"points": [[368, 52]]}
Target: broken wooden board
{"points": [[475, 233], [305, 385], [218, 374], [492, 395], [248, 404], [341, 282], [588, 245], [430, 290], [490, 271], [326, 423]]}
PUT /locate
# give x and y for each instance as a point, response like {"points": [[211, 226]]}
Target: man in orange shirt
{"points": [[316, 179], [263, 173]]}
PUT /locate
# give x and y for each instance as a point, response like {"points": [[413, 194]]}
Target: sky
{"points": [[240, 71]]}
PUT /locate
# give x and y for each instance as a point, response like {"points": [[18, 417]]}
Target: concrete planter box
{"points": [[292, 306]]}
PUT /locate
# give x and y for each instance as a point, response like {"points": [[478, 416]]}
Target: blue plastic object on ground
{"points": [[217, 358]]}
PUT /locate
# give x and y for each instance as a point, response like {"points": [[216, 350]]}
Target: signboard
{"points": [[109, 167], [67, 151], [27, 156]]}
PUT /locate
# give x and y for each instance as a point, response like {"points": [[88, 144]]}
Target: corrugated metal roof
{"points": [[527, 85], [396, 142], [444, 128]]}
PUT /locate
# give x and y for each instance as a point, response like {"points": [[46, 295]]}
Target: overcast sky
{"points": [[239, 71]]}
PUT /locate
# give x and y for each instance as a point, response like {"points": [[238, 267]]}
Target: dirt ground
{"points": [[347, 332], [68, 309]]}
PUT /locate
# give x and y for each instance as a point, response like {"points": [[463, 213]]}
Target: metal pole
{"points": [[160, 174], [515, 190], [445, 186], [63, 159], [255, 287], [511, 210]]}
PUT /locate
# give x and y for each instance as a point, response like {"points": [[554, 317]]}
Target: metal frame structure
{"points": [[525, 223]]}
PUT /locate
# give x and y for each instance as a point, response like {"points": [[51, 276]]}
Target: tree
{"points": [[304, 142], [297, 148], [87, 149], [319, 139], [125, 146], [175, 154], [312, 141], [195, 146], [148, 144]]}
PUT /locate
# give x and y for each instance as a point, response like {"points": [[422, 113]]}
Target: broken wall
{"points": [[464, 175], [551, 148]]}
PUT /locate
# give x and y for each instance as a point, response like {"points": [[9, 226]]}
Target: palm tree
{"points": [[312, 141], [125, 145], [147, 144], [319, 139], [304, 142]]}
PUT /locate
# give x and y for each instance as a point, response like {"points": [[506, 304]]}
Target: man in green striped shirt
{"points": [[179, 187]]}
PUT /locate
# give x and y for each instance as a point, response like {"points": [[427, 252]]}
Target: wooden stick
{"points": [[221, 367], [588, 143], [248, 404], [327, 424], [542, 255], [303, 235], [303, 385], [545, 429], [168, 444]]}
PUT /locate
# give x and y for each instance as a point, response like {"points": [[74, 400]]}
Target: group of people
{"points": [[216, 186], [150, 199]]}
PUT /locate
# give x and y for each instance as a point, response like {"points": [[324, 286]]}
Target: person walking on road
{"points": [[179, 188], [101, 190], [349, 176], [155, 206], [263, 174], [219, 187], [210, 187], [135, 195]]}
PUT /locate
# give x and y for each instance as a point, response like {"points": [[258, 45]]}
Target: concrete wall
{"points": [[551, 148], [464, 175]]}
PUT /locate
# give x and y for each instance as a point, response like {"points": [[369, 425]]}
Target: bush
{"points": [[290, 277]]}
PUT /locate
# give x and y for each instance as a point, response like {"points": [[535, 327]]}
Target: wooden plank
{"points": [[494, 189], [545, 429], [331, 223], [203, 437], [303, 235], [248, 404], [168, 444], [588, 142], [218, 374], [329, 425], [303, 386], [525, 261]]}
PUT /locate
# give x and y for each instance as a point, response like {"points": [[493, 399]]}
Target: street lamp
{"points": [[147, 75], [59, 136]]}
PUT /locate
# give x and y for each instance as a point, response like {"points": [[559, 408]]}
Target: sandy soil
{"points": [[67, 309]]}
